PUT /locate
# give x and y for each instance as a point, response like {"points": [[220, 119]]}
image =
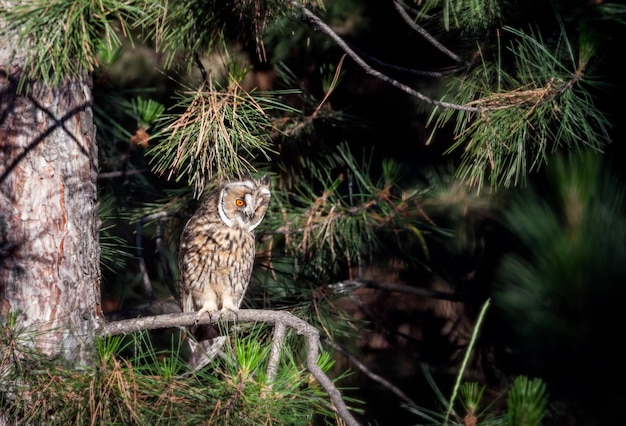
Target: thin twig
{"points": [[200, 66], [331, 87], [244, 315], [468, 352], [369, 373], [406, 70], [323, 27], [421, 31], [120, 173], [351, 285]]}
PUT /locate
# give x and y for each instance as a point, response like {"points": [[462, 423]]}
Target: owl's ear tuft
{"points": [[265, 180], [245, 175]]}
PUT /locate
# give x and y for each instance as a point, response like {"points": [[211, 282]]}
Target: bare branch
{"points": [[351, 285], [121, 173], [321, 25], [405, 70], [244, 315], [420, 291], [375, 377], [405, 16], [277, 343]]}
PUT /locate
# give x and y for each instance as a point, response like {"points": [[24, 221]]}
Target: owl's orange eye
{"points": [[239, 202]]}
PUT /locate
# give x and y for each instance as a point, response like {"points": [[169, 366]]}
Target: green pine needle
{"points": [[526, 115], [219, 134], [62, 38], [527, 402]]}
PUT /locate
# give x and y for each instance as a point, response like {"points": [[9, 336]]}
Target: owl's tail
{"points": [[204, 351]]}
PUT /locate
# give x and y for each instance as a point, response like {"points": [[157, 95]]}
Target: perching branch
{"points": [[278, 318], [323, 27]]}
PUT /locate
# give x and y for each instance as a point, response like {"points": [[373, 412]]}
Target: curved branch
{"points": [[323, 27], [278, 318]]}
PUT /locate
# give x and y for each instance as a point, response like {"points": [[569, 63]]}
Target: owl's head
{"points": [[243, 203]]}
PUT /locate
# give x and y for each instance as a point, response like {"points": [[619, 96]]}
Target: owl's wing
{"points": [[186, 301]]}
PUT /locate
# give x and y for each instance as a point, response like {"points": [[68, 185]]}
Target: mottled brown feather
{"points": [[217, 250]]}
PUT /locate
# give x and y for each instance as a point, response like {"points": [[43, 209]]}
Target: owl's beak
{"points": [[248, 215]]}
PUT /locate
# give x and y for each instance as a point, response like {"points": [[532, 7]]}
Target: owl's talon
{"points": [[199, 315]]}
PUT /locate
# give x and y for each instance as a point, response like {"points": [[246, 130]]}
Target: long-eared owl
{"points": [[217, 246]]}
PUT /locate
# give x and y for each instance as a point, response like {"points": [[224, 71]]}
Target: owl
{"points": [[216, 251]]}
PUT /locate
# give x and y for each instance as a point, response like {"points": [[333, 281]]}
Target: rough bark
{"points": [[49, 252]]}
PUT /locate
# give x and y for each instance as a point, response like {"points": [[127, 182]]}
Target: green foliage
{"points": [[469, 16], [147, 111], [471, 394], [571, 240], [560, 290], [218, 135], [525, 113], [527, 402], [612, 12], [184, 28], [338, 218], [468, 352], [62, 38], [134, 382]]}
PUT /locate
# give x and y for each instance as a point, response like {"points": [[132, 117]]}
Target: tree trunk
{"points": [[49, 252]]}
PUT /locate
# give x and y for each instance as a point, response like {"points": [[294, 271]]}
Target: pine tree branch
{"points": [[277, 343], [278, 318], [324, 28], [405, 70], [400, 7], [403, 288], [121, 173]]}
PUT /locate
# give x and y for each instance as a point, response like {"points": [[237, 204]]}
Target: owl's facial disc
{"points": [[243, 204]]}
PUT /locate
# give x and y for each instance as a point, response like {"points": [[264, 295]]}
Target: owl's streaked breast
{"points": [[217, 246]]}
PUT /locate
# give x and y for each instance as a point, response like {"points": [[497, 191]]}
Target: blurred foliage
{"points": [[527, 400], [561, 289]]}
